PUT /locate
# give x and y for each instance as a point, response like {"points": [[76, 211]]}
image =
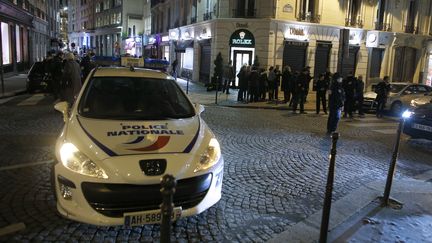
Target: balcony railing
{"points": [[309, 17], [207, 16], [411, 29], [354, 22], [244, 13], [193, 20], [382, 26]]}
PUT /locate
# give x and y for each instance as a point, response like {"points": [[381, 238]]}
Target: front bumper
{"points": [[418, 128], [99, 202]]}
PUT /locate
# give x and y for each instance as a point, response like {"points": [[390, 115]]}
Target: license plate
{"points": [[422, 127], [149, 217]]}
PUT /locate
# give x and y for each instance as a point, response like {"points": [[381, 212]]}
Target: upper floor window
{"points": [[308, 11], [98, 7], [353, 14], [245, 8], [411, 16], [117, 2], [106, 4], [379, 23]]}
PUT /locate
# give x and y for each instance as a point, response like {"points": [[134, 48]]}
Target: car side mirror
{"points": [[63, 107], [199, 108]]}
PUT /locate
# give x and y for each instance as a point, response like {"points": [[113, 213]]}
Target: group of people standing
{"points": [[65, 74]]}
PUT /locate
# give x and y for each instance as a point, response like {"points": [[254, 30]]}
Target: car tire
{"points": [[396, 108]]}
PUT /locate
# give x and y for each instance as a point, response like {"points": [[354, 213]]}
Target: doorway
{"points": [[241, 57]]}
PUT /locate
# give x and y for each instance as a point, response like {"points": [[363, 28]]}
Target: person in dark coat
{"points": [[228, 75], [285, 86], [336, 102], [321, 91], [278, 75], [359, 95], [292, 86], [349, 85], [86, 66], [271, 83], [56, 75], [71, 78], [308, 78], [174, 69], [253, 84], [263, 84], [382, 89], [242, 83], [300, 92]]}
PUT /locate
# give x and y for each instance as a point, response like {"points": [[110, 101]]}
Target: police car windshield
{"points": [[132, 98]]}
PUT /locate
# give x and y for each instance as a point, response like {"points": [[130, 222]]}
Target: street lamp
{"points": [[385, 199]]}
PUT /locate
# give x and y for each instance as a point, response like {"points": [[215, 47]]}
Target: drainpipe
{"points": [[1, 64]]}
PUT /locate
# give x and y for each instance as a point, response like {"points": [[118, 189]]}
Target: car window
{"points": [[132, 98], [396, 88], [421, 89], [410, 90]]}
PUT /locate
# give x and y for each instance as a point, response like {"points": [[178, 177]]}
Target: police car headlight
{"points": [[76, 161], [210, 157]]}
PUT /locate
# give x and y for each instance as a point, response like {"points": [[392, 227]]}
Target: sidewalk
{"points": [[358, 217], [13, 85], [199, 94]]}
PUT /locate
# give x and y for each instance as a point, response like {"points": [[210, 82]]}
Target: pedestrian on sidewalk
{"points": [[336, 103], [228, 75], [271, 83], [56, 75], [71, 78], [360, 95], [253, 84], [278, 75], [308, 78], [286, 78], [349, 85], [174, 69], [300, 93], [242, 84], [293, 88], [321, 91], [86, 66], [263, 84], [382, 89]]}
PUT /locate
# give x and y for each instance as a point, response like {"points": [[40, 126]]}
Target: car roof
{"points": [[126, 72]]}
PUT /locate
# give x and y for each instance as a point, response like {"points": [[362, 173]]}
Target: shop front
{"points": [[242, 49]]}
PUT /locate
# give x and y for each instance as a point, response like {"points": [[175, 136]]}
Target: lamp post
{"points": [[392, 168]]}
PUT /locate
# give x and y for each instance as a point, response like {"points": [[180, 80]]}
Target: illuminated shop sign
{"points": [[296, 33], [242, 38]]}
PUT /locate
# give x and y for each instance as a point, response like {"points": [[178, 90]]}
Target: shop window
{"points": [[6, 47], [187, 58], [18, 43]]}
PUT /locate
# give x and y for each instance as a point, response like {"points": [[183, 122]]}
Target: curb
{"points": [[349, 210], [13, 93]]}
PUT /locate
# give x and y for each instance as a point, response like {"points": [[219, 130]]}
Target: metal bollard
{"points": [[329, 190], [168, 184], [187, 86], [217, 90], [385, 200]]}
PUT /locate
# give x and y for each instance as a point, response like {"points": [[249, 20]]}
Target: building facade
{"points": [[372, 38], [28, 30]]}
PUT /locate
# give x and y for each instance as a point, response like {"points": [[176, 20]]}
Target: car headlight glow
{"points": [[76, 161], [210, 156], [407, 114]]}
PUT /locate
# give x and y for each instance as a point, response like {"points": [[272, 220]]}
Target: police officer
{"points": [[349, 85], [359, 95], [321, 92], [382, 89], [300, 92], [336, 102]]}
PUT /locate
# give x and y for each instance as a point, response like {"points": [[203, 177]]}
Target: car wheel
{"points": [[396, 108]]}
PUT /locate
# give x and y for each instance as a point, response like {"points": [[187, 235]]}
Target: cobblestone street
{"points": [[275, 173]]}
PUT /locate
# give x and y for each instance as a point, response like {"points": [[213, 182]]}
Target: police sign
{"points": [[242, 38]]}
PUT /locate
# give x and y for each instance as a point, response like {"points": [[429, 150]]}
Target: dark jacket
{"points": [[349, 85], [302, 83], [322, 85], [382, 89], [253, 81], [71, 80], [359, 89], [337, 95], [286, 77]]}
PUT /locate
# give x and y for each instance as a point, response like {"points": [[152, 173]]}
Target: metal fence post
{"points": [[168, 184], [329, 190]]}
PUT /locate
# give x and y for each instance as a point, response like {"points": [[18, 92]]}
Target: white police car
{"points": [[126, 130]]}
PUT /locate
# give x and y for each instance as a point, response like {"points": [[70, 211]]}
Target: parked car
{"points": [[400, 96], [36, 79], [427, 98], [126, 129], [419, 124]]}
